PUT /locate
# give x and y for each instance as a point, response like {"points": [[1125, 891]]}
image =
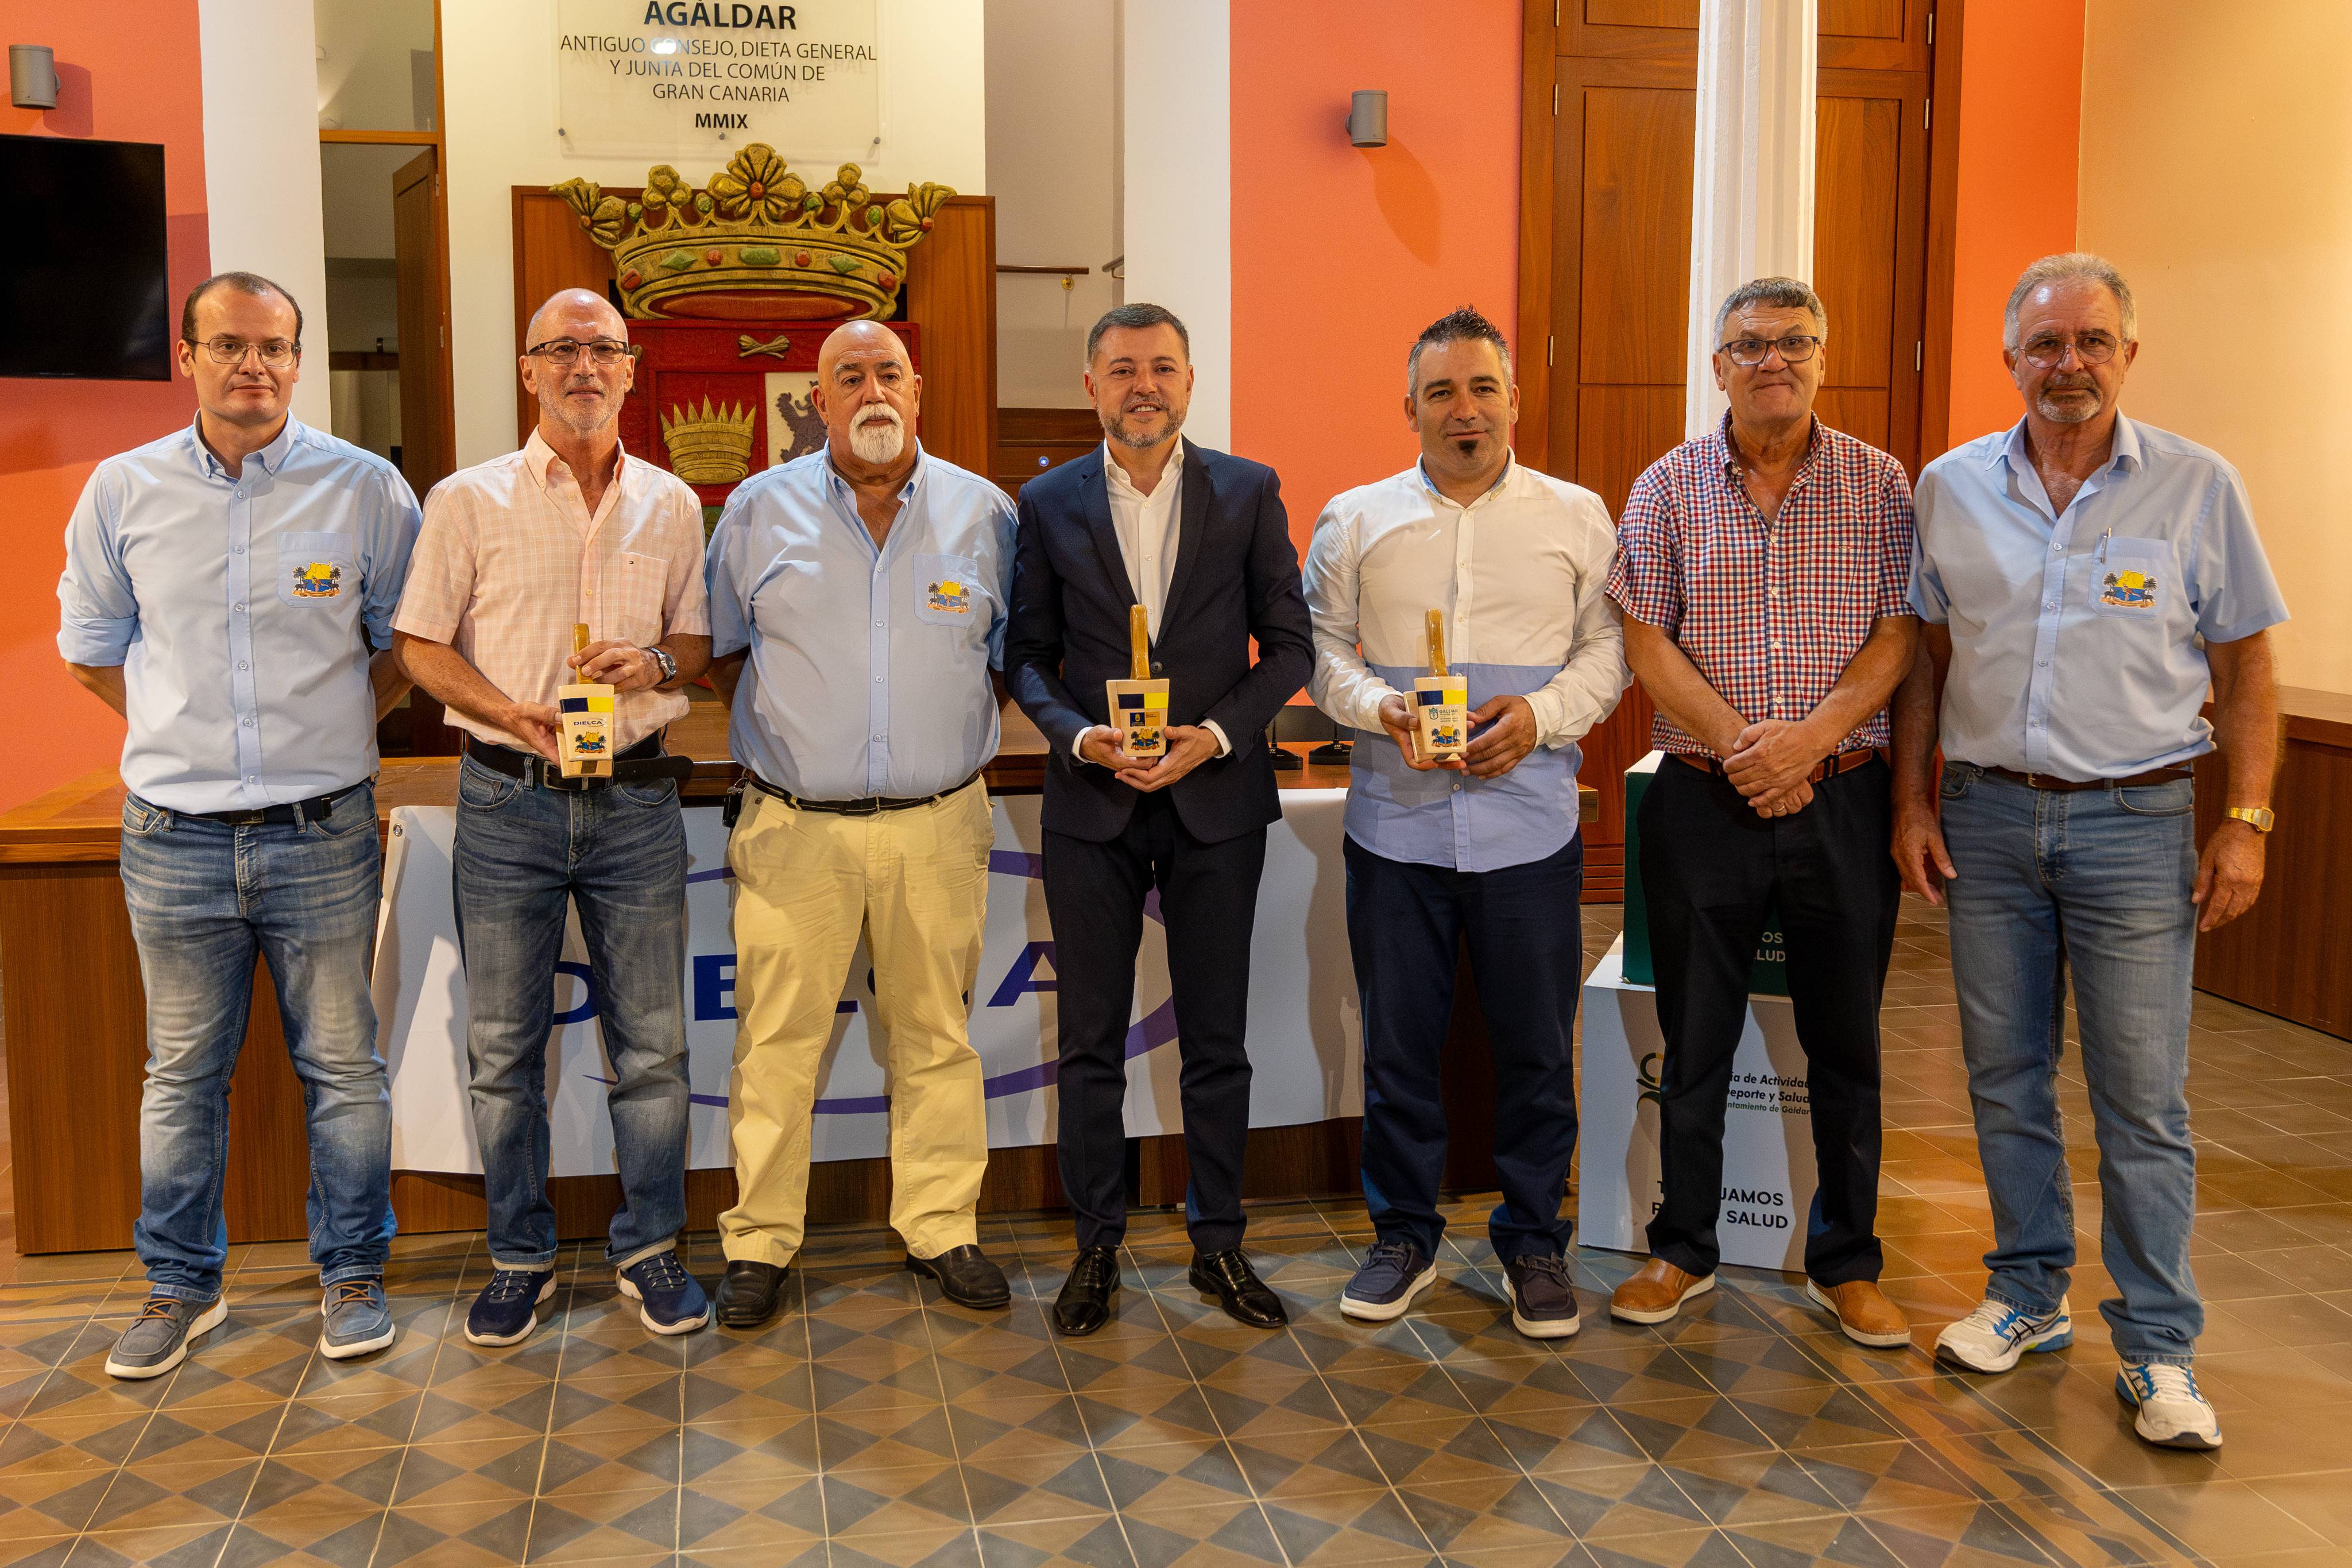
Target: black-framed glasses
{"points": [[2045, 350], [277, 354], [604, 353], [1794, 351]]}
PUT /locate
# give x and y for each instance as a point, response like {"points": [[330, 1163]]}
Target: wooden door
{"points": [[428, 423], [1605, 239]]}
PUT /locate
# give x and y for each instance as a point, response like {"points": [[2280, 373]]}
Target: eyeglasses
{"points": [[276, 353], [1794, 351], [2046, 350], [604, 353]]}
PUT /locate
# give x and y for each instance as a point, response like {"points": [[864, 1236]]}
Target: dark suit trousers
{"points": [[1523, 926], [1095, 894], [1711, 869]]}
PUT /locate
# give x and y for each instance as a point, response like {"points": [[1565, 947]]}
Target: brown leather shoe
{"points": [[1658, 1292], [1864, 1312]]}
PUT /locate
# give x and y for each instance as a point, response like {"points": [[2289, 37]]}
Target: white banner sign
{"points": [[1305, 1039], [665, 79], [1767, 1133]]}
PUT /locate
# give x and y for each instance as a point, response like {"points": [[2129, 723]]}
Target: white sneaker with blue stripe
{"points": [[2173, 1412], [1995, 1335]]}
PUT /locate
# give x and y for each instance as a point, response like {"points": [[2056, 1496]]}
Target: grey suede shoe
{"points": [[158, 1340], [357, 1319]]}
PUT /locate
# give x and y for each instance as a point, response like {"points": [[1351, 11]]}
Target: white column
{"points": [[1752, 173], [1179, 187], [262, 203]]}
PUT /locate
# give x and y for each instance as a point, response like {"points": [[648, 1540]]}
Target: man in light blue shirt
{"points": [[857, 613], [226, 590], [2083, 579]]}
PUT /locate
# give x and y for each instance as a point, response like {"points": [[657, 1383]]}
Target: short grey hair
{"points": [[2066, 267], [1462, 324], [1788, 293]]}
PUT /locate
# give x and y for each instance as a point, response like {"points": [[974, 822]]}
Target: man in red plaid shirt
{"points": [[1764, 573]]}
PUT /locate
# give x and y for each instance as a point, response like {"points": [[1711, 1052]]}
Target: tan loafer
{"points": [[1864, 1312], [1656, 1293]]}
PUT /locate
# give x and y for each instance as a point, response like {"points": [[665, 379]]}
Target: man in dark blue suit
{"points": [[1201, 540]]}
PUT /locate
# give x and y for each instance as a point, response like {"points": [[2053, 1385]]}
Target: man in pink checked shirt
{"points": [[514, 552], [1764, 571]]}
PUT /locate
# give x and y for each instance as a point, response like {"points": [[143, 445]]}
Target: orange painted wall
{"points": [[128, 71], [1341, 254], [2019, 128]]}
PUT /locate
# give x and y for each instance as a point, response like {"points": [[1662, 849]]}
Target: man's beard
{"points": [[878, 437], [1127, 435], [579, 421], [2069, 411]]}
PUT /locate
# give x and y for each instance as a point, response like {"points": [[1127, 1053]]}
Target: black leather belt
{"points": [[870, 806], [1828, 768], [640, 762], [2069, 786], [315, 809]]}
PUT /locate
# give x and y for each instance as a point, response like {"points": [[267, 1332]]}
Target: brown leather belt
{"points": [[1830, 767], [2044, 781]]}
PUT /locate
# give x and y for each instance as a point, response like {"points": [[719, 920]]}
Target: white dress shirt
{"points": [[1519, 574], [1149, 528]]}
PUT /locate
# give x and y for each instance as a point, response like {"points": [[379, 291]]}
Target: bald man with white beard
{"points": [[859, 598], [515, 551]]}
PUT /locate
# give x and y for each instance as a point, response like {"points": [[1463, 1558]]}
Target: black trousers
{"points": [[1711, 868], [1095, 894], [1523, 925]]}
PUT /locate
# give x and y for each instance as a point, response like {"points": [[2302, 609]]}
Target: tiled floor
{"points": [[872, 1427]]}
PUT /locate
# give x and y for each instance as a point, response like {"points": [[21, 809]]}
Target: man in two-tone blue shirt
{"points": [[2083, 579], [229, 590], [1482, 849], [857, 610]]}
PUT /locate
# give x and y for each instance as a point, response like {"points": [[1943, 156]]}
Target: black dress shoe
{"points": [[747, 1296], [1246, 1298], [1084, 1304], [966, 1277]]}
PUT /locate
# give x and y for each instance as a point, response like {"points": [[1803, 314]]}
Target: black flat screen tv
{"points": [[85, 276]]}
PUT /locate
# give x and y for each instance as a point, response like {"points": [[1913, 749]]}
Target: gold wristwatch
{"points": [[2259, 818]]}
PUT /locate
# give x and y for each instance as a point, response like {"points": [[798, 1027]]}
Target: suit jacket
{"points": [[1235, 578]]}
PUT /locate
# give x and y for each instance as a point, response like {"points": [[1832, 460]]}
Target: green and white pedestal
{"points": [[1767, 1137]]}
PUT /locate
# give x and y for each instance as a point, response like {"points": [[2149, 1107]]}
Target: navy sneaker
{"points": [[505, 1312], [1543, 1296], [1393, 1273], [671, 1301]]}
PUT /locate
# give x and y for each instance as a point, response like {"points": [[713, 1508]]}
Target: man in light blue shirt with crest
{"points": [[229, 590], [2083, 579]]}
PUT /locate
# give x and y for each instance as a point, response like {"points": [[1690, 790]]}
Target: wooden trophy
{"points": [[584, 741], [1139, 705], [1440, 702]]}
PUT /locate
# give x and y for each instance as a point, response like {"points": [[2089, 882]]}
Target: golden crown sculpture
{"points": [[756, 243], [710, 447]]}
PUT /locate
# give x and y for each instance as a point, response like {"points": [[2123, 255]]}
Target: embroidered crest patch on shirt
{"points": [[2127, 591], [318, 580], [950, 597]]}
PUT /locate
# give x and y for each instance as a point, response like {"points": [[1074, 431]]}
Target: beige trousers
{"points": [[806, 884]]}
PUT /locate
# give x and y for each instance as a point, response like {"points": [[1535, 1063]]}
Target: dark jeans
{"points": [[1711, 869], [1095, 894], [523, 855], [1524, 925], [205, 898]]}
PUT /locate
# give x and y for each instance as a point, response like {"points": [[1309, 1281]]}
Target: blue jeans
{"points": [[204, 899], [2097, 879], [523, 854], [1523, 926]]}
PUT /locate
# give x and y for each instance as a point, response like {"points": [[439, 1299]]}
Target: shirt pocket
{"points": [[2132, 579], [948, 591], [634, 587], [317, 571]]}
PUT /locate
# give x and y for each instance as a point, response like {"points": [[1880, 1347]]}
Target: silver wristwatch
{"points": [[668, 665]]}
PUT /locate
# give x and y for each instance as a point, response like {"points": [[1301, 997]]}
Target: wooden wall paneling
{"points": [[551, 251], [1869, 252], [2288, 954], [952, 292], [1874, 35], [1629, 29], [428, 437], [1033, 441]]}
